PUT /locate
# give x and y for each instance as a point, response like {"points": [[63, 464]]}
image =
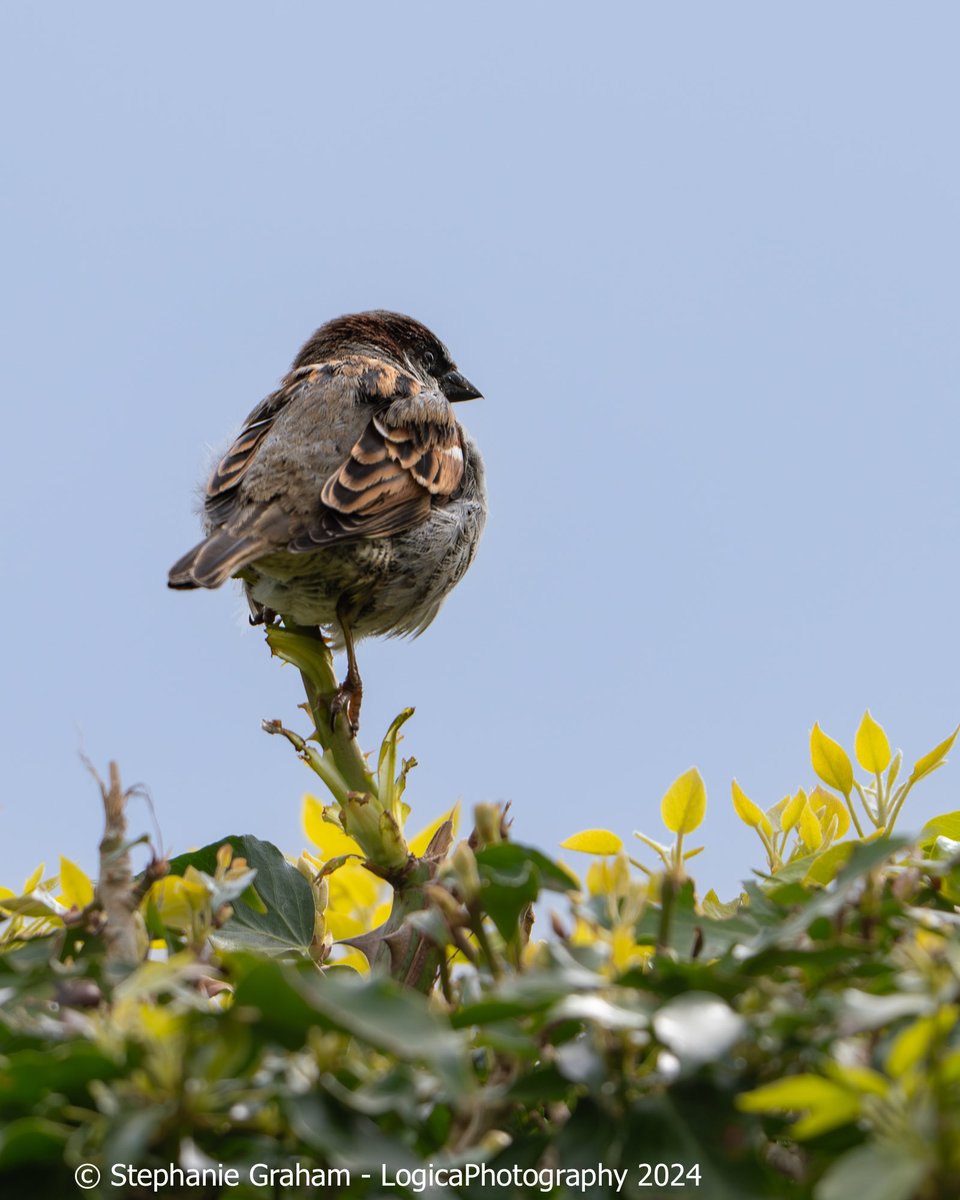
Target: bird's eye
{"points": [[429, 360]]}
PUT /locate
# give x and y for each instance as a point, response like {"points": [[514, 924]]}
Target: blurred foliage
{"points": [[799, 1040]]}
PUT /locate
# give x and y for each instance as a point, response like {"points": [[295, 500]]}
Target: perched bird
{"points": [[352, 499]]}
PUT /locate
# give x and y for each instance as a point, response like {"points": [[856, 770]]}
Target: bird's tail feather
{"points": [[214, 560]]}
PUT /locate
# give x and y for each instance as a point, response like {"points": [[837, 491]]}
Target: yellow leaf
{"points": [[929, 762], [328, 839], [859, 1079], [348, 958], [827, 1104], [75, 884], [918, 1040], [584, 934], [792, 810], [624, 950], [748, 812], [810, 832], [946, 825], [830, 761], [871, 745], [594, 841], [949, 1068], [353, 889], [685, 802], [827, 806], [831, 1116], [32, 882], [343, 925], [608, 877], [177, 899], [421, 841], [600, 879]]}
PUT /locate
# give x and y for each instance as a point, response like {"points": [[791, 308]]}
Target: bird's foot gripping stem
{"points": [[348, 699], [263, 616], [349, 695]]}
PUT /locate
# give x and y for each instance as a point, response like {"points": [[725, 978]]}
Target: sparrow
{"points": [[352, 499]]}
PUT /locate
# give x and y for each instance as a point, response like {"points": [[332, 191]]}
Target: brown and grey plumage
{"points": [[352, 498]]}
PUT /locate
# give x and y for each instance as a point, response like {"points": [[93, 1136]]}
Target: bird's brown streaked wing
{"points": [[220, 501], [376, 381], [389, 482], [231, 468]]}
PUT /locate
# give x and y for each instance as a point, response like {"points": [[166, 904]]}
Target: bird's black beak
{"points": [[455, 387]]}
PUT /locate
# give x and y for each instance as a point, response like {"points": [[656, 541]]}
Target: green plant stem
{"points": [[898, 804], [867, 808], [484, 943], [317, 762], [853, 814], [769, 846], [881, 800], [306, 650], [668, 893]]}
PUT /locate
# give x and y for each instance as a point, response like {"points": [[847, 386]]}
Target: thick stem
{"points": [[306, 650], [668, 891], [116, 892], [367, 813]]}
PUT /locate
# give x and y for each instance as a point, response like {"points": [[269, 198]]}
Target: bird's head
{"points": [[393, 336]]}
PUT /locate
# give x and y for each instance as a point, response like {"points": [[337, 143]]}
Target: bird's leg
{"points": [[350, 693]]}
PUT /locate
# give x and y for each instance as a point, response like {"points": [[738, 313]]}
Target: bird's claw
{"points": [[348, 699], [264, 616]]}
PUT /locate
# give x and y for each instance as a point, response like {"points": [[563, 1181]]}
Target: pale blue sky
{"points": [[702, 261]]}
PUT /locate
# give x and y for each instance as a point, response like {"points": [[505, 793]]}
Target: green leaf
{"points": [[372, 1008], [685, 802], [823, 867], [871, 745], [864, 857], [510, 884], [33, 1141], [286, 923], [689, 1125], [529, 993], [830, 761], [690, 928], [513, 875], [876, 1170], [387, 765], [28, 1076]]}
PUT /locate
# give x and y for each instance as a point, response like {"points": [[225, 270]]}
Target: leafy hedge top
{"points": [[798, 1040]]}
